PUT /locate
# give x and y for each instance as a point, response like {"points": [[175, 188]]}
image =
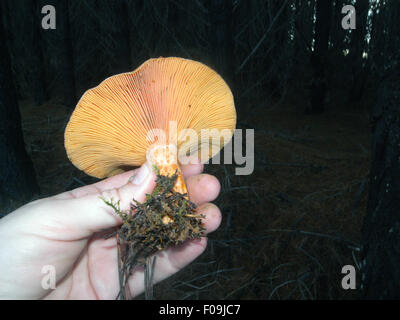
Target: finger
{"points": [[203, 188], [212, 215], [178, 257], [106, 184], [173, 259], [79, 217], [186, 253], [191, 166]]}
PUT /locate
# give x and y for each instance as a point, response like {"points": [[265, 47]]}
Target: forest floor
{"points": [[287, 229]]}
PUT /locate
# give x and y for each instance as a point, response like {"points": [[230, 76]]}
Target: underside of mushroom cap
{"points": [[115, 123]]}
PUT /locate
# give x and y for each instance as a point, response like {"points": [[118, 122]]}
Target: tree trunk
{"points": [[221, 37], [122, 36], [17, 176], [381, 230], [318, 86], [174, 25], [337, 34], [37, 75], [10, 37], [359, 66], [66, 63], [279, 50]]}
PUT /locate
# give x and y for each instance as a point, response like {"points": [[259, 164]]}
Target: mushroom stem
{"points": [[165, 158]]}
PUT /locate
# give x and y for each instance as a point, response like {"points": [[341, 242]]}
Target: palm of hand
{"points": [[85, 262]]}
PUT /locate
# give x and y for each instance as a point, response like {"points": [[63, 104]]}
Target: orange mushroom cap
{"points": [[112, 126]]}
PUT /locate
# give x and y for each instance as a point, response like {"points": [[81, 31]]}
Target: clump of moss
{"points": [[166, 218]]}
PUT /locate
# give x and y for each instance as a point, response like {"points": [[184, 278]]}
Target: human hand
{"points": [[67, 231]]}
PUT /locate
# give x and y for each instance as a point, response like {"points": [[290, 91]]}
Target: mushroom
{"points": [[115, 125], [146, 115]]}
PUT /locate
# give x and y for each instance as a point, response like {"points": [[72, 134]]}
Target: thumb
{"points": [[79, 217]]}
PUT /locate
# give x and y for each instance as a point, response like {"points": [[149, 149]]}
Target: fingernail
{"points": [[140, 175]]}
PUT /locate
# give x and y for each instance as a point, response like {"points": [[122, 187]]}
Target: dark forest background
{"points": [[324, 103]]}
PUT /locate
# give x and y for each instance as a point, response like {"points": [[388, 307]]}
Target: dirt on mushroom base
{"points": [[167, 218]]}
